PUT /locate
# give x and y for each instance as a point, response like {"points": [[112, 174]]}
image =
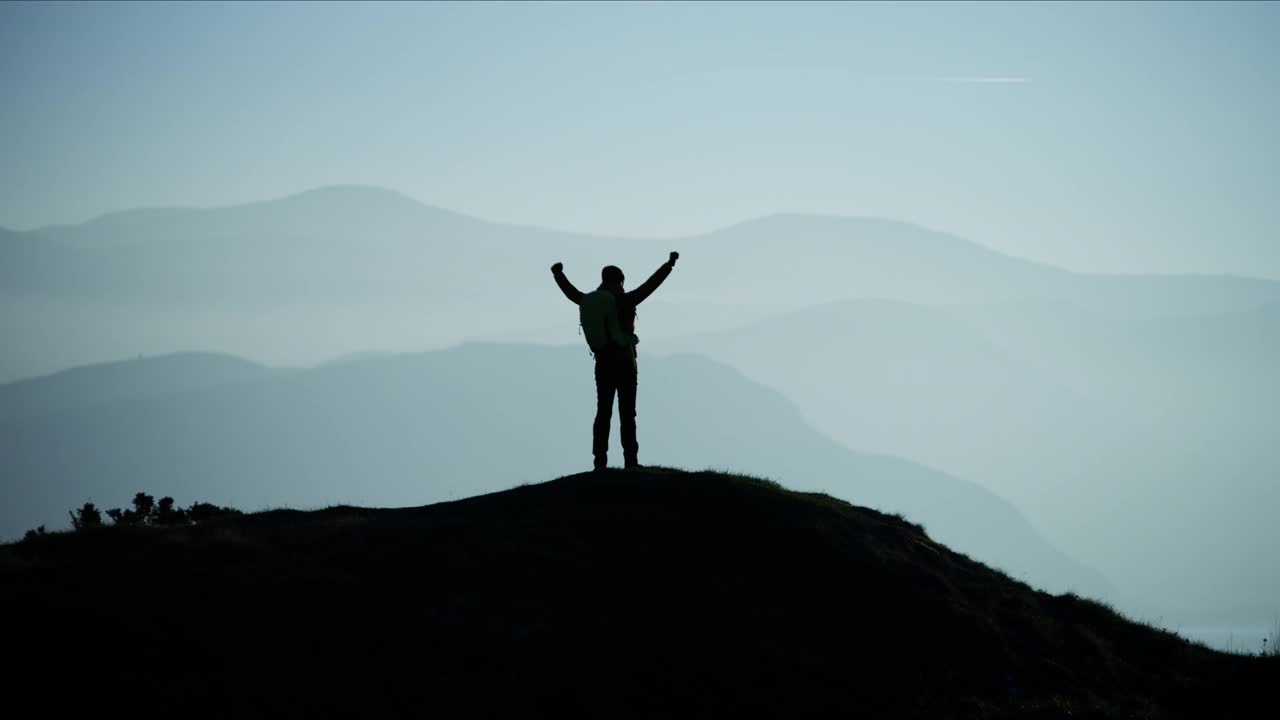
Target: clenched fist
{"points": [[557, 267], [674, 257]]}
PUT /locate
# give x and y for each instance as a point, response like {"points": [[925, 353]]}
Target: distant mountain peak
{"points": [[329, 196], [790, 218], [313, 210], [346, 194]]}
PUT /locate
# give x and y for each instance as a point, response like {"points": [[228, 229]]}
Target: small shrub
{"points": [[167, 515], [143, 506], [201, 512], [146, 512], [33, 534], [143, 512], [86, 517]]}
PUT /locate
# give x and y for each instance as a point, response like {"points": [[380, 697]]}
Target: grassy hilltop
{"points": [[652, 592]]}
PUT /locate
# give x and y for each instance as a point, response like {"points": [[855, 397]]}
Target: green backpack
{"points": [[598, 316]]}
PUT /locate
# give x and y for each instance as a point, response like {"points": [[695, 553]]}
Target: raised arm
{"points": [[637, 296], [566, 287]]}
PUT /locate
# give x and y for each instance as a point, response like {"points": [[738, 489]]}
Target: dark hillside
{"points": [[651, 593]]}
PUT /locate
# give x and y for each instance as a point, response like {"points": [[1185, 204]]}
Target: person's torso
{"points": [[627, 315]]}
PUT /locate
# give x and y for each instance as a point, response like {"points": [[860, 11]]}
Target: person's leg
{"points": [[605, 388], [627, 412]]}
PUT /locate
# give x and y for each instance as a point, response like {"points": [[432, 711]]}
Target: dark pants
{"points": [[615, 373]]}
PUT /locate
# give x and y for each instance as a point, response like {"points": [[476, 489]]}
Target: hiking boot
{"points": [[632, 465], [601, 463]]}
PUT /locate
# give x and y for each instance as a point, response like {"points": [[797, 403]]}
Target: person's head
{"points": [[612, 275]]}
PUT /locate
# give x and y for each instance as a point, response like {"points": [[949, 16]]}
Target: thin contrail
{"points": [[992, 80]]}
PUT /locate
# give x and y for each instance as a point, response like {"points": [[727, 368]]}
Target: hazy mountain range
{"points": [[357, 244], [411, 429], [347, 269], [1130, 417]]}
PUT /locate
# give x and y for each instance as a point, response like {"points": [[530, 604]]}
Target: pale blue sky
{"points": [[1141, 137]]}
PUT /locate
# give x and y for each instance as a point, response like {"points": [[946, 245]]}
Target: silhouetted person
{"points": [[615, 353]]}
